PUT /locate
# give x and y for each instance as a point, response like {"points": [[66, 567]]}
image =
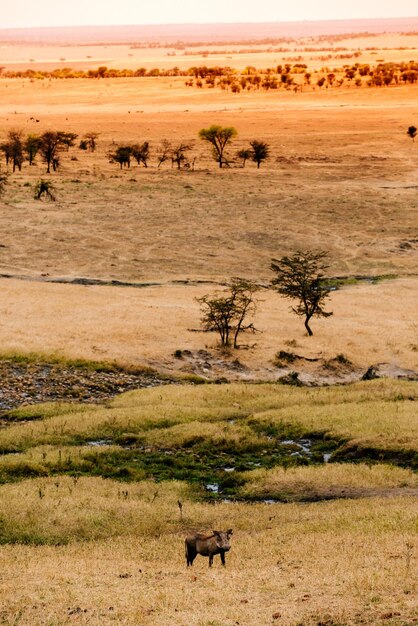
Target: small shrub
{"points": [[44, 188], [288, 357], [342, 359]]}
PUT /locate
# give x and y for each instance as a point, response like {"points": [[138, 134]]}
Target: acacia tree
{"points": [[218, 137], [6, 149], [164, 152], [412, 131], [227, 313], [244, 154], [91, 141], [301, 277], [31, 147], [141, 153], [178, 155], [15, 149], [260, 151], [122, 156], [51, 144]]}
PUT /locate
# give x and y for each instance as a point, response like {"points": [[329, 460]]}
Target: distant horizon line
{"points": [[217, 23]]}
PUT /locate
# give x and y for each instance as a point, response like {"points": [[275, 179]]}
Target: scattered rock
{"points": [[33, 383]]}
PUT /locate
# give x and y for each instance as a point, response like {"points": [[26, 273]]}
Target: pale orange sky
{"points": [[31, 13]]}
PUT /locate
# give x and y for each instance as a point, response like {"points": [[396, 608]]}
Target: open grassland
{"points": [[345, 181], [318, 484], [337, 563], [78, 546]]}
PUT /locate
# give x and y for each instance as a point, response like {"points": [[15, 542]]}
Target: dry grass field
{"points": [[317, 484], [145, 326], [339, 563], [77, 548]]}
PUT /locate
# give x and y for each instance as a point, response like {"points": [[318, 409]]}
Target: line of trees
{"points": [[288, 76], [300, 278], [50, 145]]}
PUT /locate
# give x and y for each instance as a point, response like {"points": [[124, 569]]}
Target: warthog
{"points": [[207, 545]]}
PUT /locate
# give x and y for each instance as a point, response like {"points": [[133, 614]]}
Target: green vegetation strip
{"points": [[215, 437]]}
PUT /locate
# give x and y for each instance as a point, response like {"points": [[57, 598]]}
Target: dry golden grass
{"points": [[347, 562], [347, 189], [349, 186], [324, 481], [371, 324]]}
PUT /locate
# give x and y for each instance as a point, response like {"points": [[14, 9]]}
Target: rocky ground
{"points": [[33, 382], [289, 368], [26, 382]]}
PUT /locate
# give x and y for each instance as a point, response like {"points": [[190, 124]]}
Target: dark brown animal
{"points": [[207, 545]]}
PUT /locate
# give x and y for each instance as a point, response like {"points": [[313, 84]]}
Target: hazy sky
{"points": [[22, 13]]}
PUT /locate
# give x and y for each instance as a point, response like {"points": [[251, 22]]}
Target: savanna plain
{"points": [[317, 482]]}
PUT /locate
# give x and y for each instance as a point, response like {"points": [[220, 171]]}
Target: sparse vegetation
{"points": [[96, 499], [412, 132], [122, 156], [44, 188], [260, 151], [3, 182], [51, 146]]}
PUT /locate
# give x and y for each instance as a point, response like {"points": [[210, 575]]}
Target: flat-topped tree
{"points": [[218, 137], [301, 277], [89, 142]]}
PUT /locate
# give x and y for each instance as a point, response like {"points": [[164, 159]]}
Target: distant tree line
{"points": [[296, 76]]}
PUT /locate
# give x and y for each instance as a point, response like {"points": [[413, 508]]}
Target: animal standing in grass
{"points": [[207, 545]]}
